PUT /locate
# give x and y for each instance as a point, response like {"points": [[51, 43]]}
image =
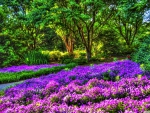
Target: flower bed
{"points": [[7, 77], [82, 89], [27, 68]]}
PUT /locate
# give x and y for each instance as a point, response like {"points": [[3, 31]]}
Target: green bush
{"points": [[36, 57], [8, 54], [67, 58], [8, 58], [82, 54], [79, 53], [142, 54], [55, 55], [95, 59], [80, 61], [67, 61]]}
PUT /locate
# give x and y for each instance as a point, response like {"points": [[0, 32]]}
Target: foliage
{"points": [[55, 55], [80, 60], [24, 29], [3, 18], [142, 54], [111, 45], [67, 61], [8, 54], [107, 75], [95, 58], [70, 25], [82, 55], [67, 58], [79, 53], [115, 59], [51, 38], [128, 19], [36, 57], [81, 20]]}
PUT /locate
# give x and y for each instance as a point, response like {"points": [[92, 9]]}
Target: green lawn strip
{"points": [[17, 76]]}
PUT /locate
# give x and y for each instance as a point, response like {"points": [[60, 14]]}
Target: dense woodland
{"points": [[99, 28]]}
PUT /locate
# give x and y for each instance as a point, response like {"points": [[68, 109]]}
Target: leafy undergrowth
{"points": [[82, 90]]}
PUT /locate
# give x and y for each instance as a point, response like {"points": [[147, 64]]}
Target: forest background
{"points": [[94, 29]]}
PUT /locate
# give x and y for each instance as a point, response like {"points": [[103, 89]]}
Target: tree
{"points": [[23, 23], [128, 19], [86, 18]]}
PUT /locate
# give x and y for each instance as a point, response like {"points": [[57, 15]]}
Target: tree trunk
{"points": [[69, 43], [88, 54]]}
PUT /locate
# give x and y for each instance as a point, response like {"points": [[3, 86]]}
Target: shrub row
{"points": [[78, 61], [60, 56], [44, 57], [17, 76]]}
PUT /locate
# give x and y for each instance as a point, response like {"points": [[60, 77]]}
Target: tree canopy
{"points": [[27, 25]]}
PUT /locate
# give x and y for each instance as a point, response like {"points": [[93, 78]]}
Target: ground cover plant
{"points": [[83, 89], [17, 73], [27, 67]]}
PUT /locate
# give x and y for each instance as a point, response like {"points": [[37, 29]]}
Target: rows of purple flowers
{"points": [[82, 90], [96, 95], [124, 69], [27, 67]]}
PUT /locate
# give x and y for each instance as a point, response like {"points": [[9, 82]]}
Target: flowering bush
{"points": [[82, 89]]}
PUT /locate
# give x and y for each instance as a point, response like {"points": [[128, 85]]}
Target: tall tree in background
{"points": [[129, 19], [87, 18], [44, 12]]}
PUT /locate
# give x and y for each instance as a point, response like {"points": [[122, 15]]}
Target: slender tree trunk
{"points": [[69, 43], [70, 46], [88, 54]]}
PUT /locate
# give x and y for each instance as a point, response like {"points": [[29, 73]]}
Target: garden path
{"points": [[6, 85]]}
